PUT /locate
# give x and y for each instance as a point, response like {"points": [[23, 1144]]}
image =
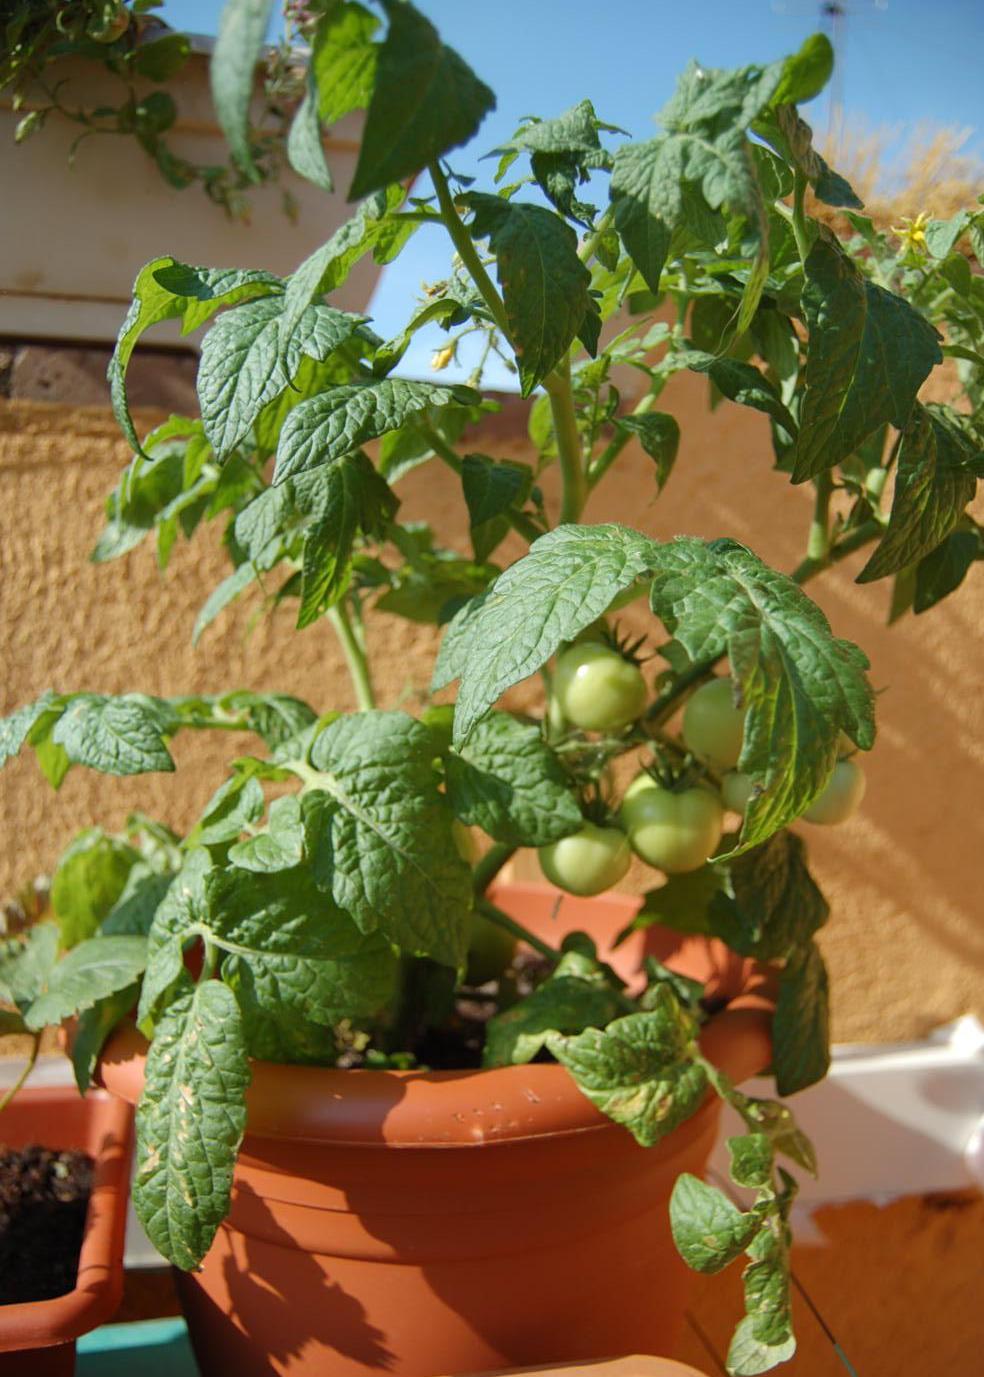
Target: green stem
{"points": [[502, 920], [490, 864], [355, 658], [18, 1083], [854, 540], [467, 252], [818, 541], [663, 707], [799, 216], [573, 476], [587, 249]]}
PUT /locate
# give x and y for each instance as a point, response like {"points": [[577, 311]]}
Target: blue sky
{"points": [[901, 62]]}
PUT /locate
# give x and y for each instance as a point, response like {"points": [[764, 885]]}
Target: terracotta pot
{"points": [[37, 1339], [422, 1223]]}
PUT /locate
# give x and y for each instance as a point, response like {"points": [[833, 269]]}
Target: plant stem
{"points": [[502, 920], [488, 867], [467, 252], [854, 540], [799, 216], [573, 476], [587, 249], [818, 541], [663, 707], [358, 666], [31, 1061]]}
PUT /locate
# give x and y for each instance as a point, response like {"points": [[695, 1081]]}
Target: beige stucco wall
{"points": [[906, 942]]}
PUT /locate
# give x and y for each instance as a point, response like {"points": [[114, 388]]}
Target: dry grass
{"points": [[928, 171]]}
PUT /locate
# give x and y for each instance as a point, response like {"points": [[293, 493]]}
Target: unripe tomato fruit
{"points": [[597, 689], [713, 728], [490, 950], [588, 862], [736, 790], [675, 831], [842, 796]]}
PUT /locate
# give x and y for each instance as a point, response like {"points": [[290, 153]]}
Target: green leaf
{"points": [[343, 418], [305, 151], [637, 1070], [800, 684], [118, 736], [95, 968], [506, 780], [748, 1354], [768, 905], [94, 1027], [133, 913], [379, 835], [26, 963], [801, 1027], [792, 138], [578, 994], [220, 597], [491, 489], [683, 902], [16, 729], [190, 1122], [869, 354], [328, 267], [343, 60], [568, 580], [805, 73], [246, 362], [280, 847], [942, 235], [242, 29], [743, 383], [164, 290], [708, 1230], [294, 955], [425, 101], [943, 571], [544, 283], [751, 1160], [233, 807], [163, 57], [659, 435], [699, 166], [934, 482], [775, 1121], [353, 500], [90, 878]]}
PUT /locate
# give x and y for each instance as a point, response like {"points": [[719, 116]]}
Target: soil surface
{"points": [[44, 1196]]}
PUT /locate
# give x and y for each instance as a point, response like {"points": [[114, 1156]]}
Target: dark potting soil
{"points": [[44, 1195]]}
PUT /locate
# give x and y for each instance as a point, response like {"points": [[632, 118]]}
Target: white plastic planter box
{"points": [[75, 236]]}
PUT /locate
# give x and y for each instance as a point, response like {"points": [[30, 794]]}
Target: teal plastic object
{"points": [[152, 1348]]}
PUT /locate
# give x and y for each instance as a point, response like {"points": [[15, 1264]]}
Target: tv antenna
{"points": [[833, 16]]}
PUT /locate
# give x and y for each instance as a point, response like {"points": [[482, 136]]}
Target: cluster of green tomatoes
{"points": [[673, 821]]}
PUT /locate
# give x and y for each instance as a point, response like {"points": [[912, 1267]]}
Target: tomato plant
{"points": [[325, 884]]}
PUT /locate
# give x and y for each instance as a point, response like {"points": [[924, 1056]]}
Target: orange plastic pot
{"points": [[37, 1339], [419, 1223]]}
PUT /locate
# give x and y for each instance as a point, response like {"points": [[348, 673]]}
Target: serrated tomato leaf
{"points": [[568, 580]]}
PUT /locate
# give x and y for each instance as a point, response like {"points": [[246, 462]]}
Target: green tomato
{"points": [[736, 790], [842, 796], [597, 689], [675, 831], [713, 728], [490, 950], [588, 862]]}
